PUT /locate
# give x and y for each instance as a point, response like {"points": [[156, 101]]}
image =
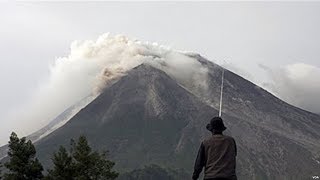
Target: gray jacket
{"points": [[218, 156]]}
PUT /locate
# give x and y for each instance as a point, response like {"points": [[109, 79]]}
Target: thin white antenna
{"points": [[221, 93]]}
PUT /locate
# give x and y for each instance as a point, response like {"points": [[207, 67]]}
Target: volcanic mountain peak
{"points": [[150, 116], [145, 111]]}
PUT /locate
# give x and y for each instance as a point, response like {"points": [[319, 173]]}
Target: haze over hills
{"points": [[154, 111], [53, 125]]}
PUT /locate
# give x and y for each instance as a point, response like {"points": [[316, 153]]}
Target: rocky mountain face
{"points": [[148, 117], [141, 118], [154, 172]]}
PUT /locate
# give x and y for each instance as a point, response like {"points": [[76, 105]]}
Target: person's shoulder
{"points": [[228, 137], [208, 140]]}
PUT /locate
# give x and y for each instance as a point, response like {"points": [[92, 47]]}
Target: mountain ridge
{"points": [[151, 112], [148, 117]]}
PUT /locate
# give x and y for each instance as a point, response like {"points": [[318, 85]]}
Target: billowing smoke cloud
{"points": [[93, 65], [298, 84]]}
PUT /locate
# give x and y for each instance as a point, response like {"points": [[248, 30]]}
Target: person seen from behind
{"points": [[217, 154]]}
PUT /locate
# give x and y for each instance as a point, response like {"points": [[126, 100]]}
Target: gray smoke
{"points": [[93, 65], [298, 84]]}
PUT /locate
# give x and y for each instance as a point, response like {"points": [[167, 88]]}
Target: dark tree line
{"points": [[79, 163], [22, 164]]}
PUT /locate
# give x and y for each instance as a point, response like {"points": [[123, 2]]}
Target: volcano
{"points": [[150, 117]]}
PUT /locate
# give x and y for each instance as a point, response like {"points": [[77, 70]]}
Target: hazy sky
{"points": [[275, 45]]}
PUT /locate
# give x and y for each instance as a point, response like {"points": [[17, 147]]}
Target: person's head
{"points": [[216, 125]]}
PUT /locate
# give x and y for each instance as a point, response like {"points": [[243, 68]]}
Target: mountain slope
{"points": [[247, 101], [140, 119], [148, 118]]}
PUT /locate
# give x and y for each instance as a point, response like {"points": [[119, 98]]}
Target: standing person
{"points": [[217, 154]]}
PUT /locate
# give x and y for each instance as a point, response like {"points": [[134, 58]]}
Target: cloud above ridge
{"points": [[93, 65], [298, 84]]}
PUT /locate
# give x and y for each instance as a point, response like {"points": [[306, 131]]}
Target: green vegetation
{"points": [[22, 163], [63, 166], [80, 163], [0, 171]]}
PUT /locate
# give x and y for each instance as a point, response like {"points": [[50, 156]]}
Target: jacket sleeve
{"points": [[200, 162]]}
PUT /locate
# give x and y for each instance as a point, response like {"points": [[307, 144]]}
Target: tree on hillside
{"points": [[64, 168], [0, 171], [22, 163], [81, 163]]}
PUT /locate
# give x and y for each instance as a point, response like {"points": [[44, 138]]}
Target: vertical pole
{"points": [[221, 93]]}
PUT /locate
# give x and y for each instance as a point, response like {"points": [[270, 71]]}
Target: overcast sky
{"points": [[275, 45]]}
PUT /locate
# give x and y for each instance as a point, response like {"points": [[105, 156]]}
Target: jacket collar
{"points": [[217, 133]]}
